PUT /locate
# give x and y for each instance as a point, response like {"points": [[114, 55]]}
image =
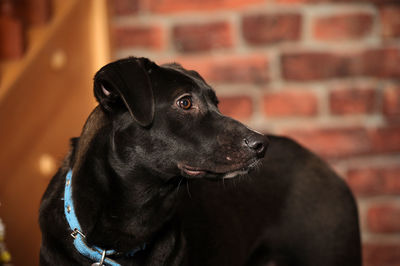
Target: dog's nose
{"points": [[258, 144]]}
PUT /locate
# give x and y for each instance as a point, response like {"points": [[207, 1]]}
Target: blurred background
{"points": [[324, 72]]}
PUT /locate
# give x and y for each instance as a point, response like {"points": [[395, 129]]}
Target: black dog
{"points": [[135, 188]]}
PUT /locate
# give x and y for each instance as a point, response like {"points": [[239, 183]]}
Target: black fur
{"points": [[141, 174]]}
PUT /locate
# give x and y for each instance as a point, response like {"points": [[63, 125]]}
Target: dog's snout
{"points": [[257, 143]]}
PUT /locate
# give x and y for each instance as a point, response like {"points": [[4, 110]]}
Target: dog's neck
{"points": [[134, 216], [114, 214]]}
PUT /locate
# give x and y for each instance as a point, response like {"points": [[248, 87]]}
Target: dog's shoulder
{"points": [[308, 175], [297, 165]]}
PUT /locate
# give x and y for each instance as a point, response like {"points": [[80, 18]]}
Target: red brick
{"points": [[380, 254], [126, 7], [374, 181], [385, 140], [290, 103], [342, 142], [381, 63], [173, 6], [227, 69], [384, 218], [352, 101], [262, 29], [378, 2], [238, 107], [202, 37], [336, 1], [147, 37], [306, 66], [390, 21], [333, 142], [391, 102], [342, 27]]}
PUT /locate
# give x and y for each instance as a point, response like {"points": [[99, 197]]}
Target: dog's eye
{"points": [[185, 102]]}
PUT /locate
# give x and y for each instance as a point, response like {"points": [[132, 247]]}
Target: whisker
{"points": [[179, 184], [187, 188]]}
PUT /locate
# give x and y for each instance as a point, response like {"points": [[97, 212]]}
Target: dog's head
{"points": [[165, 119]]}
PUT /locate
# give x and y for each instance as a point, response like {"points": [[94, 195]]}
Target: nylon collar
{"points": [[92, 252]]}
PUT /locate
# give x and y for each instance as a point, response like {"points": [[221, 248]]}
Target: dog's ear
{"points": [[127, 81]]}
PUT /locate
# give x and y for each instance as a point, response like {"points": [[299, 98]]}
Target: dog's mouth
{"points": [[218, 173]]}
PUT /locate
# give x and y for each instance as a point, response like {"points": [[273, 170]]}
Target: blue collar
{"points": [[94, 253]]}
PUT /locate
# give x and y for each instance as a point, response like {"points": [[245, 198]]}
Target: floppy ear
{"points": [[127, 80]]}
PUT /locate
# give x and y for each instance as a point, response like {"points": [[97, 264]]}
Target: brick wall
{"points": [[324, 72]]}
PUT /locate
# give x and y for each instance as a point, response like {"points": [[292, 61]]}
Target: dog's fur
{"points": [[142, 172]]}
